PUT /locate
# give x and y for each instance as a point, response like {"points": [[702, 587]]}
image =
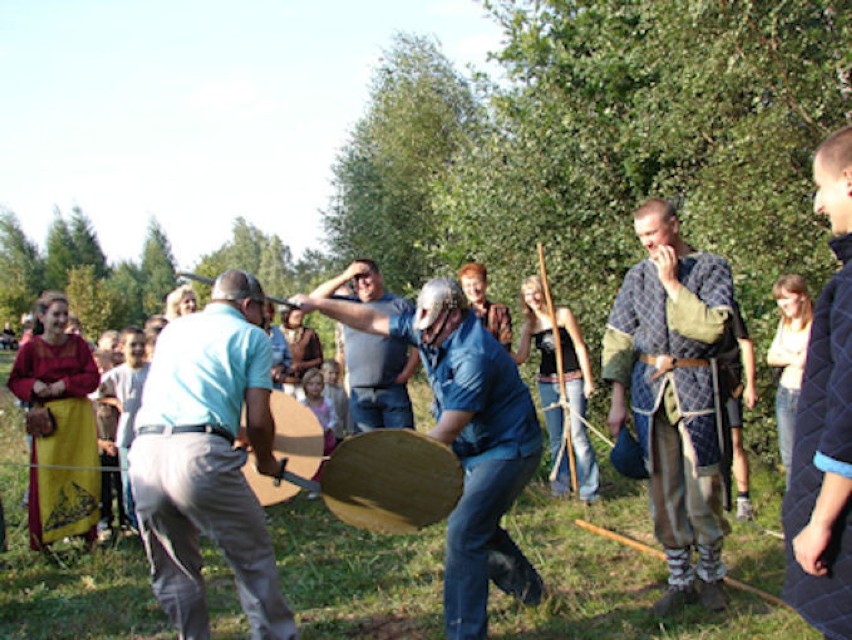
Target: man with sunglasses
{"points": [[378, 366]]}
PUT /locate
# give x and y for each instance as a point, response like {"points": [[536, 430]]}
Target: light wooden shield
{"points": [[299, 438], [392, 481]]}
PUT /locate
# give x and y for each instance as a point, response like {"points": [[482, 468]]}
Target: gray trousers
{"points": [[186, 484], [686, 504]]}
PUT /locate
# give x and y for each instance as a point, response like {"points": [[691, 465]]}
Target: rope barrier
{"points": [[597, 431]]}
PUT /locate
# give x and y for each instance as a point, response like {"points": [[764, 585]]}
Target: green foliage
{"points": [[157, 271], [87, 249], [21, 270], [98, 305], [60, 253], [70, 246], [421, 112], [716, 106], [126, 284]]}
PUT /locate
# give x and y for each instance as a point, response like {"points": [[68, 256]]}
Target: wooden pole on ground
{"points": [[639, 546]]}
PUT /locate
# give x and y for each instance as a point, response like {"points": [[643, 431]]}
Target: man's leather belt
{"points": [[216, 430], [665, 363]]}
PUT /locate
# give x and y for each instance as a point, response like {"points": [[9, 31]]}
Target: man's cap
{"points": [[436, 296], [627, 456], [236, 284]]}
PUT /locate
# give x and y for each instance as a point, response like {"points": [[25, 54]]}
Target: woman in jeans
{"points": [[579, 384], [788, 351]]}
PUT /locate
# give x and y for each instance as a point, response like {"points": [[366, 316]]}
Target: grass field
{"points": [[345, 583]]}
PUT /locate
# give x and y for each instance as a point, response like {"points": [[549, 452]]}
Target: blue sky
{"points": [[196, 112]]}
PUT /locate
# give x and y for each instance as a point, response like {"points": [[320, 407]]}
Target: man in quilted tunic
{"points": [[817, 511], [664, 328]]}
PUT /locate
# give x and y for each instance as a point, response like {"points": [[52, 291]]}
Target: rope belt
{"points": [[665, 363], [213, 429]]}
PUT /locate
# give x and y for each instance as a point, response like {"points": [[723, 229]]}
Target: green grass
{"points": [[345, 583]]}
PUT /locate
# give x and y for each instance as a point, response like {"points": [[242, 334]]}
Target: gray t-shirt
{"points": [[373, 360]]}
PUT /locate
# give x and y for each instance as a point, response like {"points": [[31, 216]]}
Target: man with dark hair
{"points": [[485, 412], [378, 366], [817, 510], [663, 329], [187, 476]]}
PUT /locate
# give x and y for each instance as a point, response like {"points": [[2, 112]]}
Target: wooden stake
{"points": [[563, 394], [639, 546]]}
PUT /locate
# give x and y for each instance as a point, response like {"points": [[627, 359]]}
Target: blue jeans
{"points": [[588, 475], [478, 549], [381, 408], [127, 489], [786, 403]]}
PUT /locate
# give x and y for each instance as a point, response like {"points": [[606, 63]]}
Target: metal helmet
{"points": [[236, 284], [436, 296]]}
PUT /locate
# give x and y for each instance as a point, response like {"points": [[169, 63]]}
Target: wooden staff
{"points": [[563, 394], [211, 282], [635, 544]]}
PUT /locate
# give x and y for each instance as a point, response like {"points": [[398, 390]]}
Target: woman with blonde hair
{"points": [[579, 384], [181, 302], [788, 352], [56, 370]]}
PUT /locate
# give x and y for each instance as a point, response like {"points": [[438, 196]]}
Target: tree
{"points": [[421, 113], [157, 271], [21, 269], [98, 306], [126, 282], [267, 257], [60, 253], [86, 247]]}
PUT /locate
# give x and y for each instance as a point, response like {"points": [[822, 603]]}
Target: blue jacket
{"points": [[823, 442]]}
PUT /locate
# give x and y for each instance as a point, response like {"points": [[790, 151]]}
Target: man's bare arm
{"points": [[260, 429], [358, 316]]}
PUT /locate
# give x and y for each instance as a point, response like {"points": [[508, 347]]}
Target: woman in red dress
{"points": [[56, 370]]}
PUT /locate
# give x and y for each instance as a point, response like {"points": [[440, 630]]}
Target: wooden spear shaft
{"points": [[635, 544], [563, 394]]}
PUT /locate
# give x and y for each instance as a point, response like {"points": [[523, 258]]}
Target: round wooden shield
{"points": [[299, 438], [392, 481]]}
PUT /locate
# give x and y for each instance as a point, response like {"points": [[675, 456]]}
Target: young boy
{"points": [[338, 398], [123, 385], [817, 510], [106, 421]]}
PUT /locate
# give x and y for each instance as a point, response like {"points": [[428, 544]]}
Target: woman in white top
{"points": [[788, 351]]}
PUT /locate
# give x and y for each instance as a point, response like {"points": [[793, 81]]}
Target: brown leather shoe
{"points": [[674, 600], [712, 595]]}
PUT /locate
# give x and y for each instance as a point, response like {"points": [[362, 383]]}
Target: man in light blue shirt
{"points": [[185, 472]]}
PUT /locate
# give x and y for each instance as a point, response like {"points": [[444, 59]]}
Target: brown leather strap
{"points": [[666, 363]]}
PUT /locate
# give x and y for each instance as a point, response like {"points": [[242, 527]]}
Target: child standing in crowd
{"points": [[789, 350], [124, 385], [313, 385], [106, 356], [338, 398]]}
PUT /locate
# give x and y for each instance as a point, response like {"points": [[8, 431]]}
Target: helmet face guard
{"points": [[437, 296]]}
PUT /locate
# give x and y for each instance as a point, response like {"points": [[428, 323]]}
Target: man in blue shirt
{"points": [[185, 472], [485, 412]]}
